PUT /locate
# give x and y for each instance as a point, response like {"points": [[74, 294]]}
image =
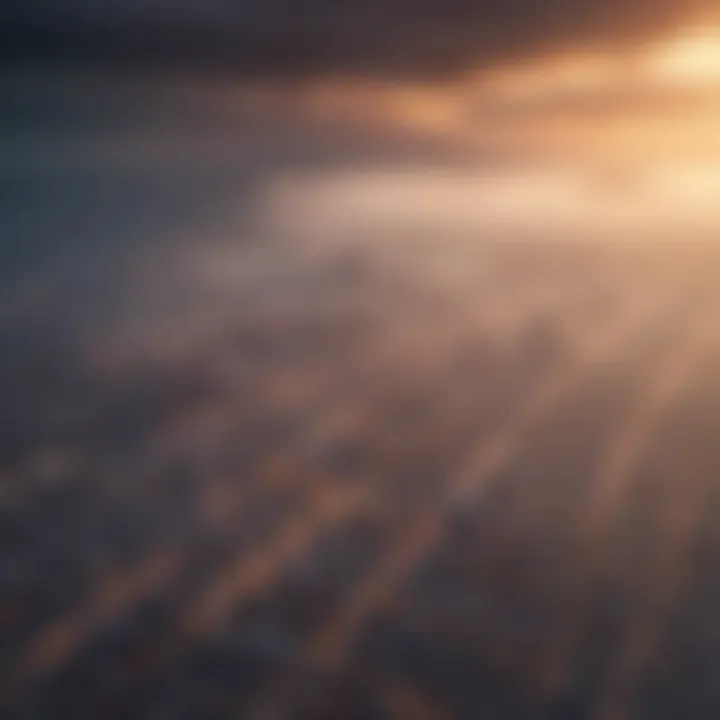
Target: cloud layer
{"points": [[367, 37]]}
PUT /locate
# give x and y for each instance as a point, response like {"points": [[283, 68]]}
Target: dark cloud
{"points": [[356, 36]]}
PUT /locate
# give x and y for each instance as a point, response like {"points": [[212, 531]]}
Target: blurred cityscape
{"points": [[338, 398]]}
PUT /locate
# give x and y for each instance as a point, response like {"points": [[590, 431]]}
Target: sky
{"points": [[419, 38], [520, 119]]}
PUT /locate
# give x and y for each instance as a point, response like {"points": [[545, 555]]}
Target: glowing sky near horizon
{"points": [[611, 143]]}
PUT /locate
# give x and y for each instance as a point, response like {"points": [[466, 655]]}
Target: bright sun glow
{"points": [[692, 58]]}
